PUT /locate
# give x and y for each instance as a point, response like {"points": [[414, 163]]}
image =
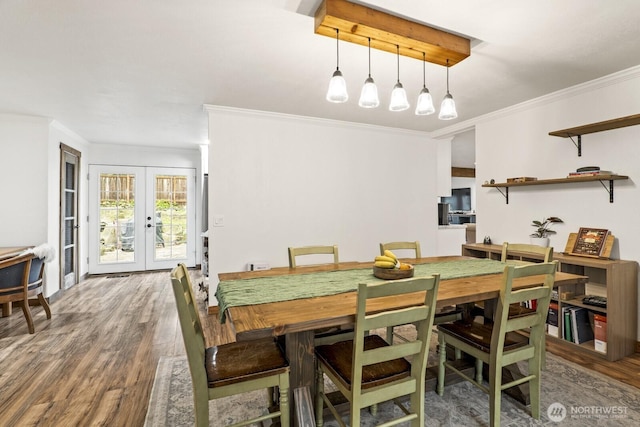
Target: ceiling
{"points": [[138, 72]]}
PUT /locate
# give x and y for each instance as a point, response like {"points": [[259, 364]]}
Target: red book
{"points": [[600, 332]]}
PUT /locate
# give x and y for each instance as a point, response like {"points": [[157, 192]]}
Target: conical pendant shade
{"points": [[337, 88]]}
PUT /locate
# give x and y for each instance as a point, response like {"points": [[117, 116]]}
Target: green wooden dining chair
{"points": [[228, 369], [367, 370], [500, 344]]}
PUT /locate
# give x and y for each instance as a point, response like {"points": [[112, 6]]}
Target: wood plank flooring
{"points": [[94, 362]]}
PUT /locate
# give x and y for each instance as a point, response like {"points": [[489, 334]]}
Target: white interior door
{"points": [[141, 218]]}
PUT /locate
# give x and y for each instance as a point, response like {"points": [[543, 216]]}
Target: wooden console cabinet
{"points": [[615, 279]]}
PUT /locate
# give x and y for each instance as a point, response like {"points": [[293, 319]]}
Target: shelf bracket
{"points": [[505, 194], [578, 144], [609, 190]]}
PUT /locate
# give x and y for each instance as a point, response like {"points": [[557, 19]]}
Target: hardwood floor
{"points": [[94, 362]]}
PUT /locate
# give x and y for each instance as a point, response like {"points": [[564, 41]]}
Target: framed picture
{"points": [[590, 241]]}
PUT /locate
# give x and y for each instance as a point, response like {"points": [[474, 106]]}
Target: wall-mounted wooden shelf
{"points": [[596, 127], [601, 178]]}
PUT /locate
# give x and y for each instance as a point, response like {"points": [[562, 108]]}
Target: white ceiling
{"points": [[138, 72]]}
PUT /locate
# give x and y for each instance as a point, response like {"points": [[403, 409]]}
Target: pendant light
{"points": [[424, 106], [399, 100], [448, 106], [369, 95], [337, 86]]}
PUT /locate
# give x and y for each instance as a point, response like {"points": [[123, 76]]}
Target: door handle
{"points": [[149, 225]]}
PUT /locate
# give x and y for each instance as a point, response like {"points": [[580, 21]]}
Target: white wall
{"points": [[515, 142], [23, 164], [284, 181]]}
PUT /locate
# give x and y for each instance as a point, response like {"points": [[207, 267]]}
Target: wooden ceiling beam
{"points": [[357, 23]]}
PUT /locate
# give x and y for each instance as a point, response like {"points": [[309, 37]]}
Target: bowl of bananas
{"points": [[388, 267]]}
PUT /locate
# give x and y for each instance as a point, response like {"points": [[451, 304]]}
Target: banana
{"points": [[385, 264], [390, 254], [385, 259]]}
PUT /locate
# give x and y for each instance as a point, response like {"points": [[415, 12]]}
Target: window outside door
{"points": [[142, 218]]}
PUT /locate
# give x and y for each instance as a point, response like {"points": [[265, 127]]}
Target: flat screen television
{"points": [[460, 199]]}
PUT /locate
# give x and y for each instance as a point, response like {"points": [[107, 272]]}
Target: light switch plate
{"points": [[218, 220]]}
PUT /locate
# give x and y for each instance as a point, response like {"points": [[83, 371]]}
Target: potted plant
{"points": [[543, 230]]}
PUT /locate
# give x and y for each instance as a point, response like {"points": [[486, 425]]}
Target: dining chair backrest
{"points": [[545, 253], [16, 285], [192, 333], [535, 320], [36, 272], [14, 278], [312, 250], [415, 246], [420, 315]]}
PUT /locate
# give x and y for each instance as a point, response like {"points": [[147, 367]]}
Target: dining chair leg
{"points": [[318, 397], [479, 368], [495, 394], [390, 334], [442, 352], [284, 400], [45, 305], [27, 315], [534, 387], [201, 401]]}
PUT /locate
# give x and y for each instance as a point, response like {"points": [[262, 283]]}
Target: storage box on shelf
{"points": [[615, 279]]}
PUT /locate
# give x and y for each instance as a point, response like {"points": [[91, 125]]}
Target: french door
{"points": [[141, 218]]}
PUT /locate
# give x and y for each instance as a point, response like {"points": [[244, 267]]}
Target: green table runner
{"points": [[261, 290]]}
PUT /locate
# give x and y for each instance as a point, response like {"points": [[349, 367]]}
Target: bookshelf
{"points": [[615, 279]]}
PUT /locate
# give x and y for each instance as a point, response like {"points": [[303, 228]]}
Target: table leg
{"points": [[300, 353]]}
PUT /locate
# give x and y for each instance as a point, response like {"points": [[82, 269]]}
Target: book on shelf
{"points": [[566, 324], [552, 319], [580, 325], [600, 332], [589, 173], [590, 241]]}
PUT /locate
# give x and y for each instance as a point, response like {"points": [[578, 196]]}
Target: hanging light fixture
{"points": [[337, 86], [448, 106], [425, 102], [369, 95], [399, 100]]}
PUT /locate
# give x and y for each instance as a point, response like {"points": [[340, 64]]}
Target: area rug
{"points": [[571, 396]]}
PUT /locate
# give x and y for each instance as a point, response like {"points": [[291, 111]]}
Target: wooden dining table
{"points": [[297, 319], [10, 252]]}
